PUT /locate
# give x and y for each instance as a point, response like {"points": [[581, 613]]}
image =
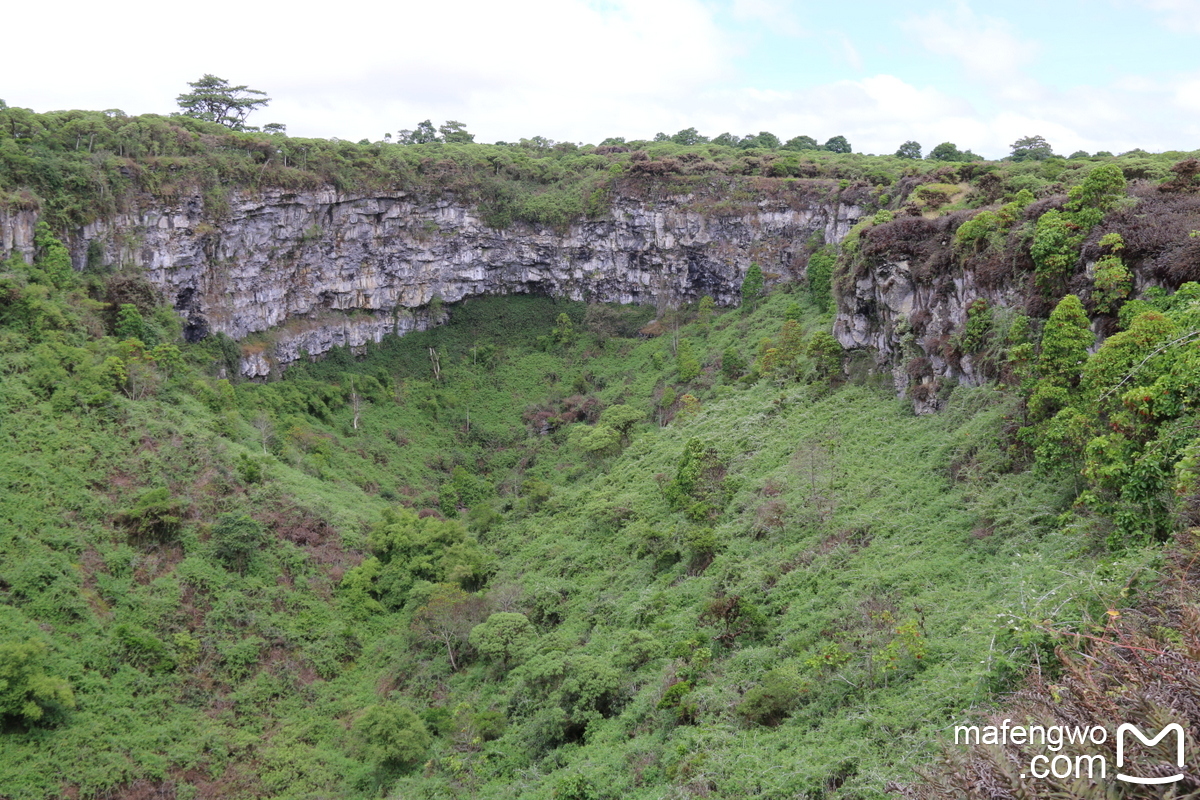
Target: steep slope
{"points": [[554, 548], [333, 269], [213, 566]]}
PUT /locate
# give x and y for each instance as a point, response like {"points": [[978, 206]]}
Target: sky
{"points": [[1098, 75]]}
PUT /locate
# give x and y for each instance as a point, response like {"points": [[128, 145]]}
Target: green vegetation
{"points": [[752, 285], [80, 166], [212, 99], [704, 599], [565, 556]]}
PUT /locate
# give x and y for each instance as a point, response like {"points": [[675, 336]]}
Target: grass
{"points": [[881, 567]]}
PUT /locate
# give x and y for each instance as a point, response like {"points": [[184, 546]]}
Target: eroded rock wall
{"points": [[313, 270], [906, 324]]}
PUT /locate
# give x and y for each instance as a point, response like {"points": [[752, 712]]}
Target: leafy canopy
{"points": [[27, 693], [1031, 148], [214, 100]]}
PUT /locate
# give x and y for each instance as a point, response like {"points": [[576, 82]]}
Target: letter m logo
{"points": [[1148, 742]]}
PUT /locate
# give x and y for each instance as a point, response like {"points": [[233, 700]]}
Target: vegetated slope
{"points": [[698, 566], [1115, 413], [1133, 665], [80, 166], [536, 553]]}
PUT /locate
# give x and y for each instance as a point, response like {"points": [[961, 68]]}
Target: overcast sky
{"points": [[1096, 75]]}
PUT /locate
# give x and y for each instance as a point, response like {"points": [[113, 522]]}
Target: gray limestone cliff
{"points": [[309, 271], [905, 323]]}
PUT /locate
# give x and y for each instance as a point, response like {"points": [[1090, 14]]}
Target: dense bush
{"points": [[265, 584]]}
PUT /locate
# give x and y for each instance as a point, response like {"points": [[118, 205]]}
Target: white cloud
{"points": [[504, 68], [581, 70], [1187, 95], [850, 52], [1178, 15], [777, 14], [987, 47]]}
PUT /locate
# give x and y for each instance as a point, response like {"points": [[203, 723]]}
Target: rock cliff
{"points": [[906, 323], [905, 289], [310, 271]]}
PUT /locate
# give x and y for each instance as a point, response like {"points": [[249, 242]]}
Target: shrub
{"points": [[771, 701], [390, 734], [27, 694], [752, 285], [978, 327], [156, 515], [820, 277], [505, 636], [235, 538]]}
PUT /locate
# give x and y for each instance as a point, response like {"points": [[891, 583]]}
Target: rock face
{"points": [[320, 269], [16, 233], [905, 324]]}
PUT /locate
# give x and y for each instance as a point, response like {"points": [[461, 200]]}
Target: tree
{"points": [[687, 362], [726, 140], [408, 548], [236, 537], [764, 139], [946, 151], [689, 136], [909, 149], [838, 144], [505, 635], [802, 143], [733, 366], [130, 324], [563, 331], [791, 342], [155, 516], [825, 353], [391, 734], [455, 132], [27, 693], [1056, 239], [1065, 343], [600, 440], [622, 418], [1031, 148], [213, 99], [448, 619], [820, 276], [1100, 190], [424, 134], [53, 257], [752, 285], [1112, 285]]}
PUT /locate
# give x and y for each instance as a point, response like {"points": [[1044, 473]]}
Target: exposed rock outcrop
{"points": [[319, 269], [907, 325]]}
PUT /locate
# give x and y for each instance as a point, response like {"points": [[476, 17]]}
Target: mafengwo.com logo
{"points": [[1087, 750]]}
